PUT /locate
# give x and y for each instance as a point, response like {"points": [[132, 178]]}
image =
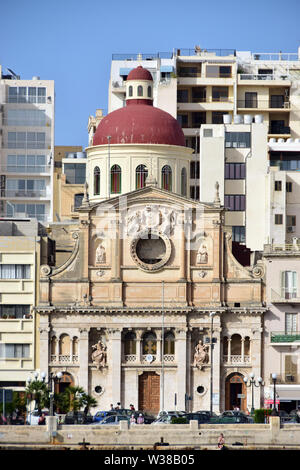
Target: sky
{"points": [[72, 42]]}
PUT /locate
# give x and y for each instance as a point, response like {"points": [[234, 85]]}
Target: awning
{"points": [[124, 72], [290, 392], [167, 68]]}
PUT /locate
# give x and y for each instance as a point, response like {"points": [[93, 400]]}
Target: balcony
{"points": [[285, 297], [133, 359], [236, 359], [25, 169], [285, 337], [17, 193], [64, 358], [279, 130], [264, 104], [265, 79]]}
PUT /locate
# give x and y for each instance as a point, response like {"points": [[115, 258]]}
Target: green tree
{"points": [[73, 399], [38, 391]]}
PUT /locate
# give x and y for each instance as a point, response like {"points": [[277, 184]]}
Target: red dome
{"points": [[139, 73], [139, 124]]}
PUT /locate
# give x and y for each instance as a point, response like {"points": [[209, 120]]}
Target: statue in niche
{"points": [[200, 355], [150, 217], [134, 223], [202, 255], [168, 221], [99, 355], [100, 254]]}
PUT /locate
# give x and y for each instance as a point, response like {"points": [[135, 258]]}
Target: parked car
{"points": [[202, 418], [78, 417], [34, 416], [112, 420], [208, 413], [169, 418], [229, 416], [100, 415]]}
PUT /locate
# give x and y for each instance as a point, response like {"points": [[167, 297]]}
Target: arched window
{"points": [[149, 91], [149, 343], [183, 182], [169, 343], [166, 178], [141, 174], [53, 346], [96, 180], [64, 345], [236, 345], [130, 91], [140, 90], [115, 179], [130, 343]]}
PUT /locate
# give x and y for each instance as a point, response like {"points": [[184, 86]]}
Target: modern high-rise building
{"points": [[26, 147]]}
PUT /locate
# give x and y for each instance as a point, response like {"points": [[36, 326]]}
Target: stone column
{"points": [[181, 358], [139, 335], [229, 350], [182, 273], [44, 348], [114, 363], [243, 350], [116, 251], [83, 375], [159, 346], [217, 386]]}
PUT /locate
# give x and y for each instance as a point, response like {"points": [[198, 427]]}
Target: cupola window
{"points": [[130, 90], [115, 179], [149, 91], [96, 181], [166, 178], [140, 90], [141, 174], [183, 182]]}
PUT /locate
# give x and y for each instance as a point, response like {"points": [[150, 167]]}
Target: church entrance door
{"points": [[149, 392], [235, 392]]}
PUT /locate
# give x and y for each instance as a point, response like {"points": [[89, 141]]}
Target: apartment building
{"points": [[26, 147], [199, 86], [24, 247], [68, 182]]}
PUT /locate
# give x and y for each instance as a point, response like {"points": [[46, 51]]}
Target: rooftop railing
{"points": [[286, 56]]}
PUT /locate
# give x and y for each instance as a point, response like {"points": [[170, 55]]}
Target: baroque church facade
{"points": [[151, 307]]}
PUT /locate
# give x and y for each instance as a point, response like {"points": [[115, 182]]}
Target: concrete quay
{"points": [[148, 437]]}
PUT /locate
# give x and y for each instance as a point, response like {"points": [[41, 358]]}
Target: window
{"points": [[130, 90], [75, 173], [278, 219], [166, 178], [194, 192], [26, 163], [14, 271], [14, 311], [218, 71], [278, 185], [289, 187], [219, 93], [23, 140], [115, 179], [12, 351], [182, 96], [25, 117], [169, 343], [141, 174], [289, 284], [198, 94], [28, 188], [235, 202], [237, 140], [291, 366], [96, 180], [290, 323], [217, 117], [291, 220], [26, 210], [198, 119], [149, 91], [207, 133], [78, 198], [250, 100], [130, 343], [27, 95], [235, 171], [149, 343], [140, 90], [238, 234], [182, 120], [183, 182]]}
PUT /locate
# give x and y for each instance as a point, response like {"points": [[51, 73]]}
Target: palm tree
{"points": [[74, 398], [88, 402], [38, 391]]}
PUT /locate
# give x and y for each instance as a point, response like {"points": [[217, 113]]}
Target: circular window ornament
{"points": [[201, 390], [99, 390], [151, 250]]}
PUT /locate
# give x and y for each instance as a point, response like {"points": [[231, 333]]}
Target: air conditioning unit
{"points": [[290, 229]]}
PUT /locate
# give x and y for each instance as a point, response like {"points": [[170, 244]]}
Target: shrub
{"points": [[259, 415]]}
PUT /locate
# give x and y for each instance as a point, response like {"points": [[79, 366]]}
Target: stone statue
{"points": [[168, 221], [100, 254], [150, 217], [99, 354], [134, 223], [201, 355], [202, 255]]}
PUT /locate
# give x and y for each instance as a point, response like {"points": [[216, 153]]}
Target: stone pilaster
{"points": [[181, 358], [44, 331], [114, 360], [84, 358]]}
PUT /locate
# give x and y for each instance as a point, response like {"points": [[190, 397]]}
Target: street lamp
{"points": [[212, 314], [53, 378], [275, 411], [253, 384]]}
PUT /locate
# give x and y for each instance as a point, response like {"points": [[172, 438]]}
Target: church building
{"points": [[151, 307]]}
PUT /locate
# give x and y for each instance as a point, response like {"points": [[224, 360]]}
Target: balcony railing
{"points": [[16, 193], [26, 122], [285, 297], [279, 130], [132, 358], [263, 104], [32, 145], [64, 358], [138, 56], [204, 52], [285, 336], [22, 215], [25, 169], [236, 359], [268, 76], [286, 56]]}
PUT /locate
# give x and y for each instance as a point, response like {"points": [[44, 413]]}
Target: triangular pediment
{"points": [[150, 194]]}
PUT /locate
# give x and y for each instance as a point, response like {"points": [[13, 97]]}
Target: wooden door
{"points": [[149, 392]]}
